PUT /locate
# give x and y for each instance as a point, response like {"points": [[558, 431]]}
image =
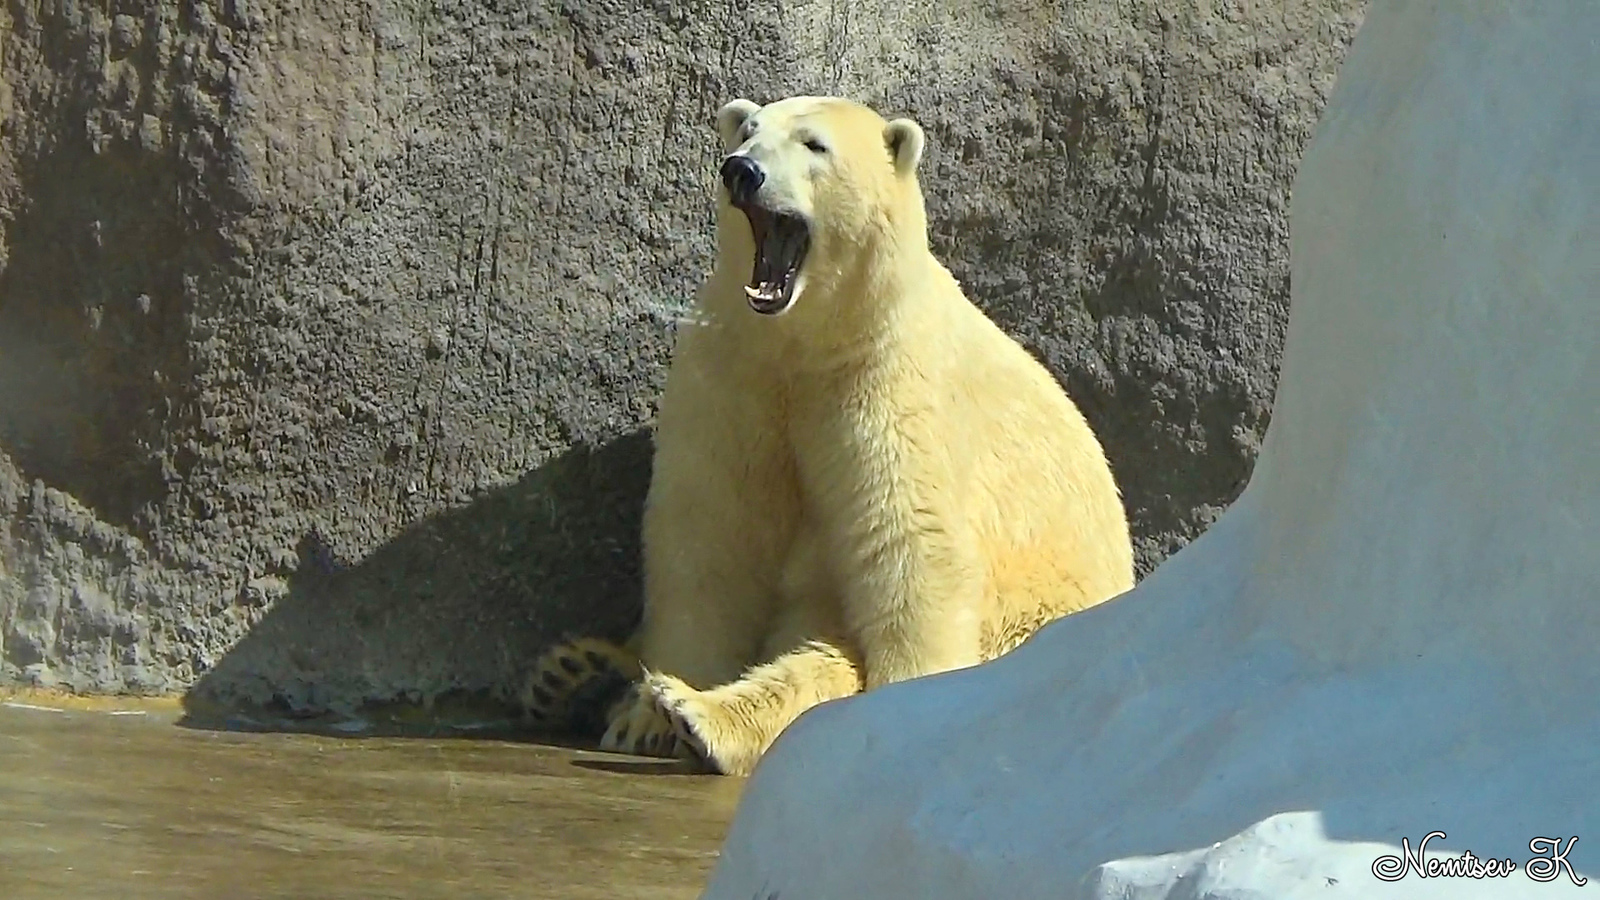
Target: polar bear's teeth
{"points": [[753, 292]]}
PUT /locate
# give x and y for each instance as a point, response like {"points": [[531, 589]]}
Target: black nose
{"points": [[742, 176]]}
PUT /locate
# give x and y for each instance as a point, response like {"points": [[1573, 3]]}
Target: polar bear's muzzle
{"points": [[781, 239]]}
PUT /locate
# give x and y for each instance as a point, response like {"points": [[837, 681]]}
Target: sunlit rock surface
{"points": [[331, 333]]}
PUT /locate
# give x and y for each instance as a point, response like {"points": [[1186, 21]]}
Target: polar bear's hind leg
{"points": [[577, 686]]}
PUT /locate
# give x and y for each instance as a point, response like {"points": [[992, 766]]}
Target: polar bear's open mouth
{"points": [[782, 240]]}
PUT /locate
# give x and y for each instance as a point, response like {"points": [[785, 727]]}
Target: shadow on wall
{"points": [[490, 583], [94, 357]]}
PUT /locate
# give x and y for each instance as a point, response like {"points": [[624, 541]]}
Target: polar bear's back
{"points": [[1037, 488]]}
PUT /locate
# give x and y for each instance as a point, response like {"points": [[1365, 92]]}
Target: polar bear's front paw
{"points": [[640, 728], [703, 725], [684, 708]]}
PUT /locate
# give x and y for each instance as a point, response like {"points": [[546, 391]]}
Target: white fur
{"points": [[877, 486]]}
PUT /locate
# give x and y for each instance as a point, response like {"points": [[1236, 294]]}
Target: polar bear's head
{"points": [[823, 183]]}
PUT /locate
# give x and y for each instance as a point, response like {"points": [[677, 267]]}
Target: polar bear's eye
{"points": [[815, 146]]}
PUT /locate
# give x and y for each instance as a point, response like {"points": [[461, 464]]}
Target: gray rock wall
{"points": [[330, 332]]}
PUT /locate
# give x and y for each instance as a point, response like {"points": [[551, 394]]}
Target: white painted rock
{"points": [[1394, 630]]}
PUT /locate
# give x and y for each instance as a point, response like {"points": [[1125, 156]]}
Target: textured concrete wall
{"points": [[330, 333]]}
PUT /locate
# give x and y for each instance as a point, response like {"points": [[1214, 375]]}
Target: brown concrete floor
{"points": [[111, 799]]}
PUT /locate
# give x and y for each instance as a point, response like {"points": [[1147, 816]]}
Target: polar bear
{"points": [[858, 477]]}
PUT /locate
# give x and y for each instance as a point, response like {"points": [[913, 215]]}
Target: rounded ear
{"points": [[730, 118], [905, 141]]}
